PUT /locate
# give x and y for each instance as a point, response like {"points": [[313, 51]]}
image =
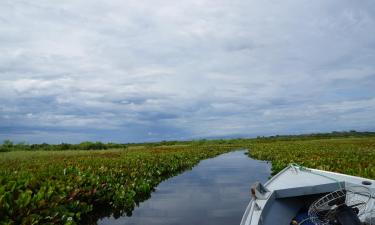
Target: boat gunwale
{"points": [[252, 201]]}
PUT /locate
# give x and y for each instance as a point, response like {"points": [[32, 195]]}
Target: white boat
{"points": [[299, 195]]}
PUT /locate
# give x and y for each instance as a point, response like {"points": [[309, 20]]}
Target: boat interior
{"points": [[290, 206], [303, 196]]}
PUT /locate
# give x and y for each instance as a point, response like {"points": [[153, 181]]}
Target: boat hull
{"points": [[296, 188]]}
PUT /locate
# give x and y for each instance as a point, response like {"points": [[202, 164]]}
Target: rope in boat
{"points": [[307, 219], [305, 169]]}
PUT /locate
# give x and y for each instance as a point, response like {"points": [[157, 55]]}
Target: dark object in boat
{"points": [[346, 215]]}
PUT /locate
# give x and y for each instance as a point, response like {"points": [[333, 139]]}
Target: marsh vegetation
{"points": [[50, 185]]}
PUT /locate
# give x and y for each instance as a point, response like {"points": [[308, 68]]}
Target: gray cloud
{"points": [[141, 70]]}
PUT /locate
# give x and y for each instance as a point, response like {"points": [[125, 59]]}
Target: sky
{"points": [[134, 71]]}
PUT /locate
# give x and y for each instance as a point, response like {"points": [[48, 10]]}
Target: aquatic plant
{"points": [[69, 187], [59, 186], [353, 156]]}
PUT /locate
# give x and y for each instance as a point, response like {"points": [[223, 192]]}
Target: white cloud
{"points": [[182, 69]]}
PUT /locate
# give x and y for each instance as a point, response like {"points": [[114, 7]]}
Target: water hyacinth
{"points": [[70, 187], [353, 156], [80, 186]]}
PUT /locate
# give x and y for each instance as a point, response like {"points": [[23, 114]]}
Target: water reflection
{"points": [[215, 192]]}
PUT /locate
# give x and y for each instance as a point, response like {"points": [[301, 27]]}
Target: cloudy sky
{"points": [[137, 70]]}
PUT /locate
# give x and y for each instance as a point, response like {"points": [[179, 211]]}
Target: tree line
{"points": [[10, 146]]}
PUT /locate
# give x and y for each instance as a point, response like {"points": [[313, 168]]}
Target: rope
{"points": [[305, 169], [302, 168], [300, 223]]}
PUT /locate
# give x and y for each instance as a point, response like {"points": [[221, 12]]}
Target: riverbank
{"points": [[66, 187]]}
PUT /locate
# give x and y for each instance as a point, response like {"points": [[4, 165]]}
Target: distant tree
{"points": [[87, 145], [8, 143], [65, 146], [6, 146], [21, 146]]}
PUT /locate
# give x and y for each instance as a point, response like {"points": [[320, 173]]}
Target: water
{"points": [[215, 192]]}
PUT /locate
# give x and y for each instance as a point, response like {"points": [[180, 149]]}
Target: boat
{"points": [[303, 196]]}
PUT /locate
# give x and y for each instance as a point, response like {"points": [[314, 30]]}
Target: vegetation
{"points": [[314, 136], [354, 156], [8, 146], [66, 184], [66, 187]]}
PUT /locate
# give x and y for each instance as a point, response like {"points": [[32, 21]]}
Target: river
{"points": [[215, 192]]}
